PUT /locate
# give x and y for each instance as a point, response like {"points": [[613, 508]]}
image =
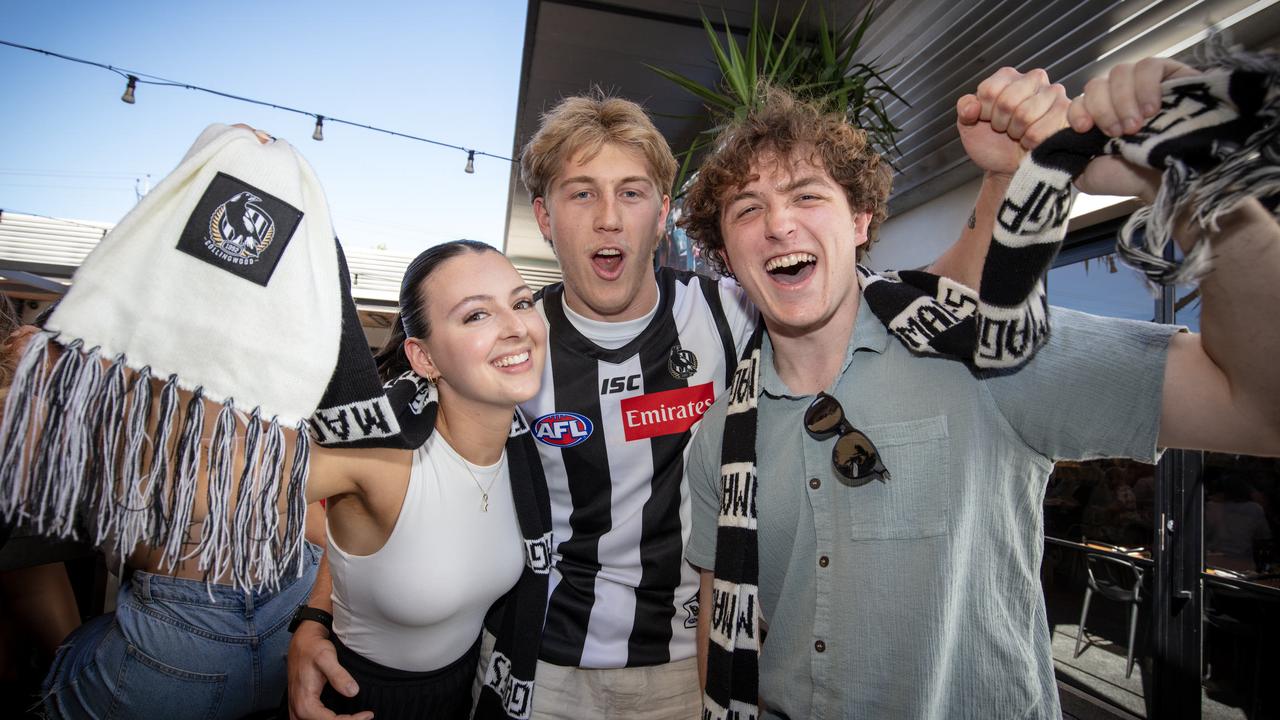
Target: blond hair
{"points": [[583, 124]]}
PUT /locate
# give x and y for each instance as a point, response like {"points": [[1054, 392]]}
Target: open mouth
{"points": [[792, 268], [608, 262], [507, 361]]}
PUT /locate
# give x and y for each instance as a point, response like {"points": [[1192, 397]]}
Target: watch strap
{"points": [[306, 612]]}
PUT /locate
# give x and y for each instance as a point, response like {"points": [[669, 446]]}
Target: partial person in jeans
{"points": [[908, 586], [179, 647]]}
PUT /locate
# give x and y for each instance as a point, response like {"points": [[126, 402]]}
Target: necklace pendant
{"points": [[484, 502]]}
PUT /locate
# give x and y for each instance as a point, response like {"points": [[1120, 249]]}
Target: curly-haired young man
{"points": [[878, 510]]}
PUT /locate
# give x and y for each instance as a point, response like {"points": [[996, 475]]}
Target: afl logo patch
{"points": [[562, 429], [239, 228], [681, 363]]}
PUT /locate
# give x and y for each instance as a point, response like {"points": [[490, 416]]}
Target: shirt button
{"points": [[815, 483], [824, 561], [820, 646]]}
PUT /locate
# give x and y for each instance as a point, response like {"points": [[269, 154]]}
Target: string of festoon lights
{"points": [[134, 78]]}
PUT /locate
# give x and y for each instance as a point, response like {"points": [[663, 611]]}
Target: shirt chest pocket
{"points": [[915, 501]]}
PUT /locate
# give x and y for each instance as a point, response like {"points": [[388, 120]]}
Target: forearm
{"points": [[704, 624], [322, 591], [963, 261]]}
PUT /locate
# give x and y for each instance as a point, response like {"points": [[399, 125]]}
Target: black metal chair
{"points": [[1117, 580]]}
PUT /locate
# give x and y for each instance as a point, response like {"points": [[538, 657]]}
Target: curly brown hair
{"points": [[783, 126]]}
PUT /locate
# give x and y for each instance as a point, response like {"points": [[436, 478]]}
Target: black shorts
{"points": [[441, 694]]}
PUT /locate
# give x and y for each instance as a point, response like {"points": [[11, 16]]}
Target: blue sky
{"points": [[447, 71]]}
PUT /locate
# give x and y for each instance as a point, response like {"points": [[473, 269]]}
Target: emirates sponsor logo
{"points": [[665, 413]]}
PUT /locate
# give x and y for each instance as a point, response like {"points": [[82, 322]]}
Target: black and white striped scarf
{"points": [[1217, 141]]}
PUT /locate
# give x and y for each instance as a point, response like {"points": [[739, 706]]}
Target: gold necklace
{"points": [[484, 491]]}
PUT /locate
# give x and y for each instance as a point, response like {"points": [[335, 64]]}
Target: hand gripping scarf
{"points": [[1217, 141], [225, 281]]}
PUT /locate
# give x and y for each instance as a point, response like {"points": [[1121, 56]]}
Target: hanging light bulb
{"points": [[319, 133], [471, 162], [129, 88]]}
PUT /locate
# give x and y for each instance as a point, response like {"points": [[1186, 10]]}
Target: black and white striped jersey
{"points": [[613, 427]]}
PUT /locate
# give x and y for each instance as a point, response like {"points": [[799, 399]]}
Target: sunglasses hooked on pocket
{"points": [[853, 456]]}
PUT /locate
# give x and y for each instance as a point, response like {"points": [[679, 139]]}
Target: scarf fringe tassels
{"points": [[84, 459], [1218, 137]]}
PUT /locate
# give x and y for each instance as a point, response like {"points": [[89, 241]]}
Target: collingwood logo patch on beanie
{"points": [[240, 228]]}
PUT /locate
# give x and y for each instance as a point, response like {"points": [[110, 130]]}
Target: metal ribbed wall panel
{"points": [[940, 50]]}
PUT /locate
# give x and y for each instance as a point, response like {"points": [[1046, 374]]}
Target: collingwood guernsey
{"points": [[618, 406]]}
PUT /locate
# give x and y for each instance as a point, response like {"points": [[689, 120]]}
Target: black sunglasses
{"points": [[854, 456]]}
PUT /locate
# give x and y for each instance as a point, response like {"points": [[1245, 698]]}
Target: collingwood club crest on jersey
{"points": [[239, 228], [682, 364]]}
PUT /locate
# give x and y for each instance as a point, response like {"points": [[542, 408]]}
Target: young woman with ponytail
{"points": [[424, 542]]}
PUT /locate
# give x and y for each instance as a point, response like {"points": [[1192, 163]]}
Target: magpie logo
{"points": [[239, 229], [681, 363]]}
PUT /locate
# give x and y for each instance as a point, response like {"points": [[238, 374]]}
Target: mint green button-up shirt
{"points": [[920, 597]]}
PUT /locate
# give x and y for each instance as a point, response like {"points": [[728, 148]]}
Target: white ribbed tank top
{"points": [[418, 602]]}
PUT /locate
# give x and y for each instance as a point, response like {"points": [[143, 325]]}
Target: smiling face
{"points": [[486, 342], [791, 239], [603, 216]]}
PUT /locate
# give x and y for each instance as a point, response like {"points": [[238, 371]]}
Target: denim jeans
{"points": [[169, 651]]}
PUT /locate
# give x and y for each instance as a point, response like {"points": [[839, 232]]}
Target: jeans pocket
{"points": [[148, 688], [914, 502]]}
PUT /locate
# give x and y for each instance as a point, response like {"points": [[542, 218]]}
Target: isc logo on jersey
{"points": [[562, 429]]}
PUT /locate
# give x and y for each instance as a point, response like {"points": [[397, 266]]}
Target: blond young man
{"points": [[636, 355]]}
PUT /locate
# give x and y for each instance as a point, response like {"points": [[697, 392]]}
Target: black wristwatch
{"points": [[306, 612]]}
